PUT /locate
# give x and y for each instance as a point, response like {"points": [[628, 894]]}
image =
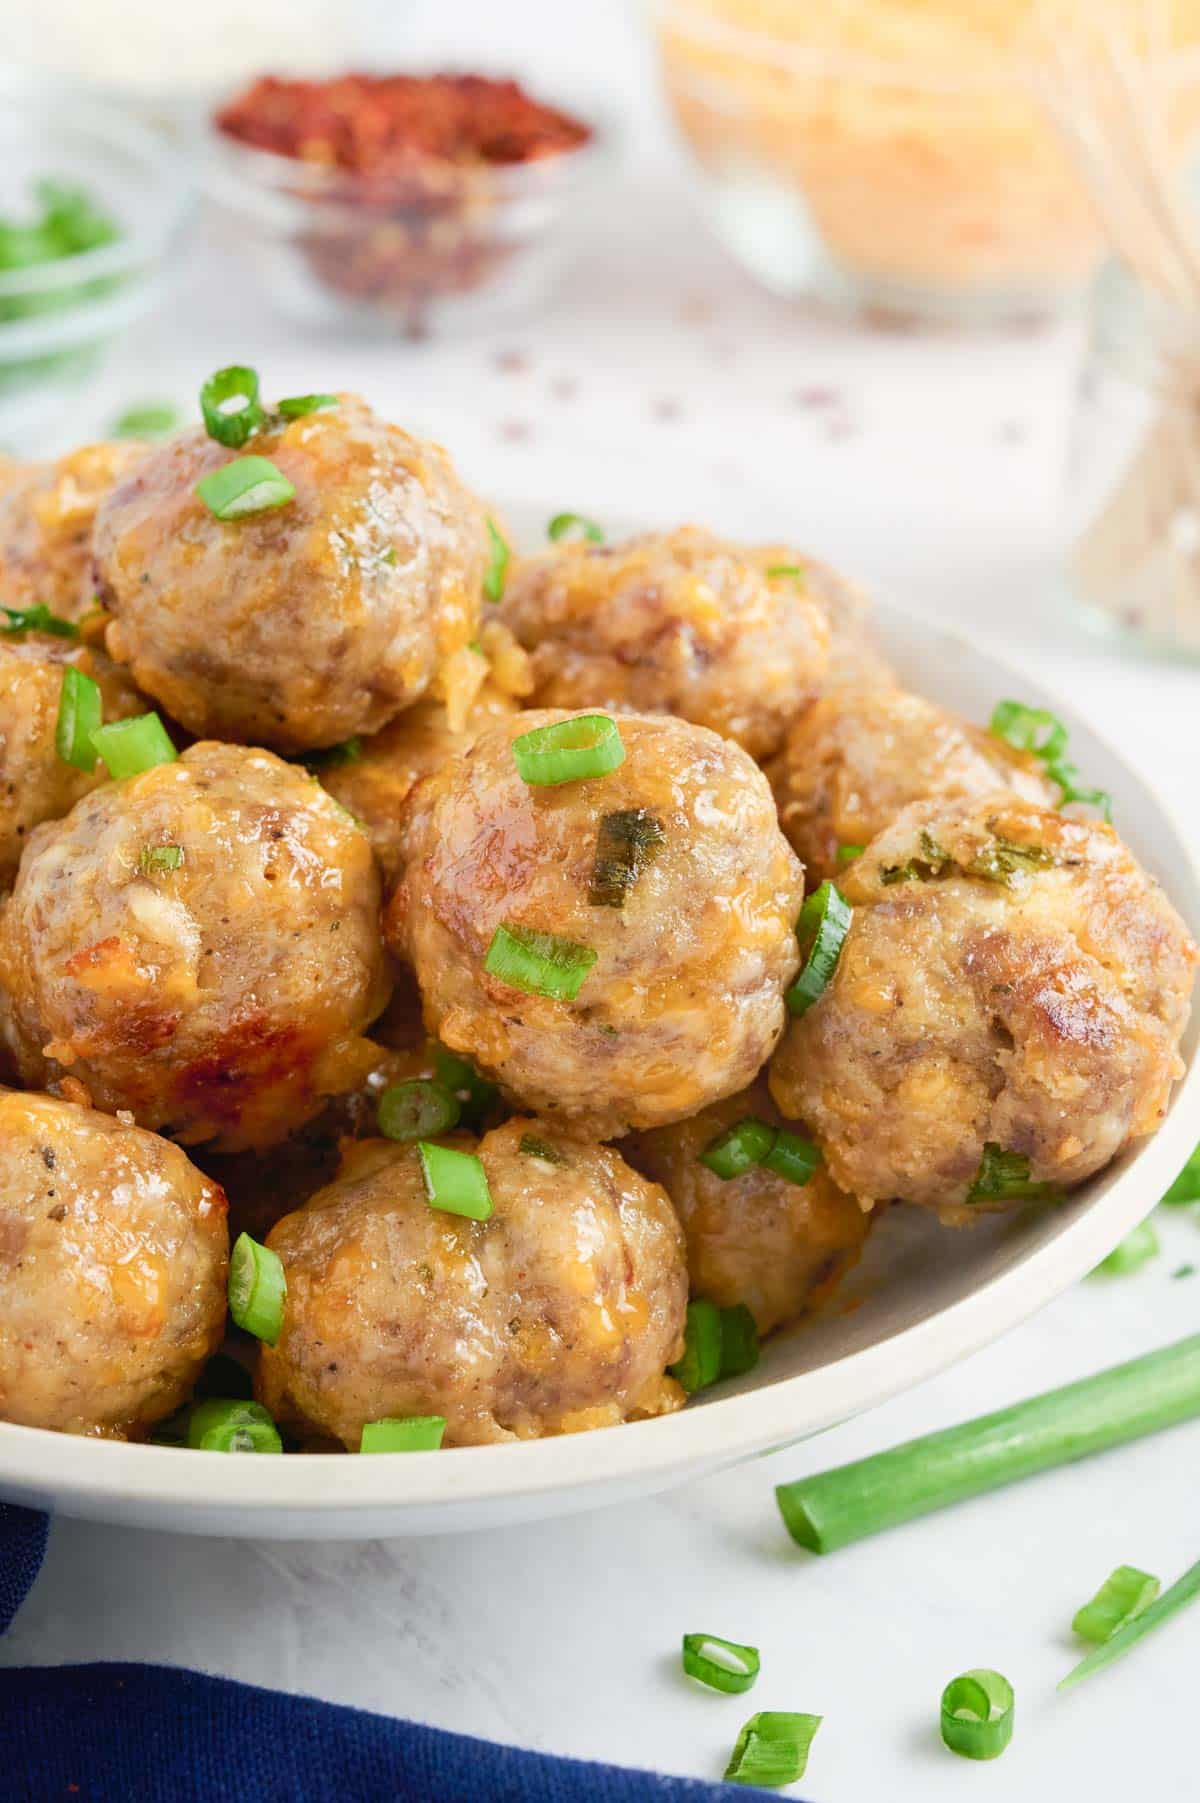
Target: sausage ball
{"points": [[305, 624], [113, 1254], [674, 623], [35, 783], [854, 656], [46, 516], [560, 1312], [854, 759], [1010, 979], [776, 1246], [199, 945], [670, 874]]}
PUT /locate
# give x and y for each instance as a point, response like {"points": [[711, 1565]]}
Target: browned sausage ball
{"points": [[560, 1312], [1010, 978], [35, 783], [199, 945], [46, 516], [684, 1001], [308, 623], [854, 656], [113, 1252], [856, 757], [676, 623], [779, 1247]]}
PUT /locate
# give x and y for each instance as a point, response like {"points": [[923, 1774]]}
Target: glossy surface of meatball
{"points": [[779, 1247], [676, 623], [199, 945], [113, 1253], [854, 655], [560, 1312], [855, 758], [684, 1000], [1010, 978], [46, 515], [308, 623], [35, 783]]}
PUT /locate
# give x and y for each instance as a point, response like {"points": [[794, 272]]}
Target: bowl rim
{"points": [[202, 1491]]}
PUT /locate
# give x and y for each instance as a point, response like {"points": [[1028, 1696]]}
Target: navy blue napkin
{"points": [[153, 1734]]}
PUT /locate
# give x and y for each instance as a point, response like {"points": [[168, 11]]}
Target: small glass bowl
{"points": [[445, 248], [58, 319]]}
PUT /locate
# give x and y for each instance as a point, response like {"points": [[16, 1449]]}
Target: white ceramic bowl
{"points": [[924, 1297]]}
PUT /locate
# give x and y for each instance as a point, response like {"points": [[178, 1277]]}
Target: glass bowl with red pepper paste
{"points": [[400, 204]]}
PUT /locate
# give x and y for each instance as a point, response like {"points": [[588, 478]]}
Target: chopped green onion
{"points": [[772, 1749], [475, 1095], [295, 406], [1066, 776], [1035, 730], [932, 863], [247, 485], [1186, 1187], [574, 523], [1004, 1177], [497, 569], [721, 1664], [218, 1426], [130, 746], [455, 1182], [1147, 1394], [1183, 1591], [418, 1109], [626, 842], [796, 571], [257, 1289], [846, 854], [154, 420], [332, 757], [80, 711], [533, 1147], [1184, 1271], [538, 963], [418, 1433], [792, 1157], [569, 751], [37, 619], [821, 929], [977, 1714], [230, 405], [1125, 1592], [739, 1341], [1135, 1250], [153, 858], [739, 1149], [700, 1364]]}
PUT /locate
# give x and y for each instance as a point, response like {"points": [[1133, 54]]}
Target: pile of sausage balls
{"points": [[545, 969]]}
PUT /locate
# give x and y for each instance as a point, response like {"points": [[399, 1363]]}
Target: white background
{"points": [[660, 382]]}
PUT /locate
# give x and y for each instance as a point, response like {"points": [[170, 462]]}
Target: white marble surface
{"points": [[660, 382]]}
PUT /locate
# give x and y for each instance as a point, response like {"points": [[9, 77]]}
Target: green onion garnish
{"points": [[1184, 1271], [297, 405], [497, 569], [418, 1109], [130, 746], [474, 1094], [154, 420], [1186, 1187], [37, 619], [574, 524], [455, 1181], [1004, 1177], [153, 858], [792, 1157], [538, 963], [821, 929], [796, 571], [1183, 1591], [846, 854], [245, 486], [739, 1341], [80, 711], [533, 1147], [739, 1149], [257, 1289], [1125, 1592], [218, 1426], [1043, 734], [418, 1433], [977, 1714], [834, 1508], [721, 1664], [1135, 1250], [230, 405], [700, 1364], [626, 842], [772, 1749], [569, 751], [332, 757]]}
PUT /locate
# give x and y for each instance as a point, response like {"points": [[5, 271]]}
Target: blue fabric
{"points": [[152, 1734]]}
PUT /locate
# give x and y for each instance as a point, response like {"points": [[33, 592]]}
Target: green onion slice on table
{"points": [[772, 1749], [574, 525], [495, 575], [37, 619], [1182, 1592], [248, 485], [1135, 1250], [569, 751], [80, 711], [538, 963], [418, 1109], [455, 1182], [257, 1289], [295, 406], [977, 1714], [218, 1426], [721, 1664], [1004, 1177], [231, 407], [821, 929], [1125, 1592], [415, 1433], [129, 747]]}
